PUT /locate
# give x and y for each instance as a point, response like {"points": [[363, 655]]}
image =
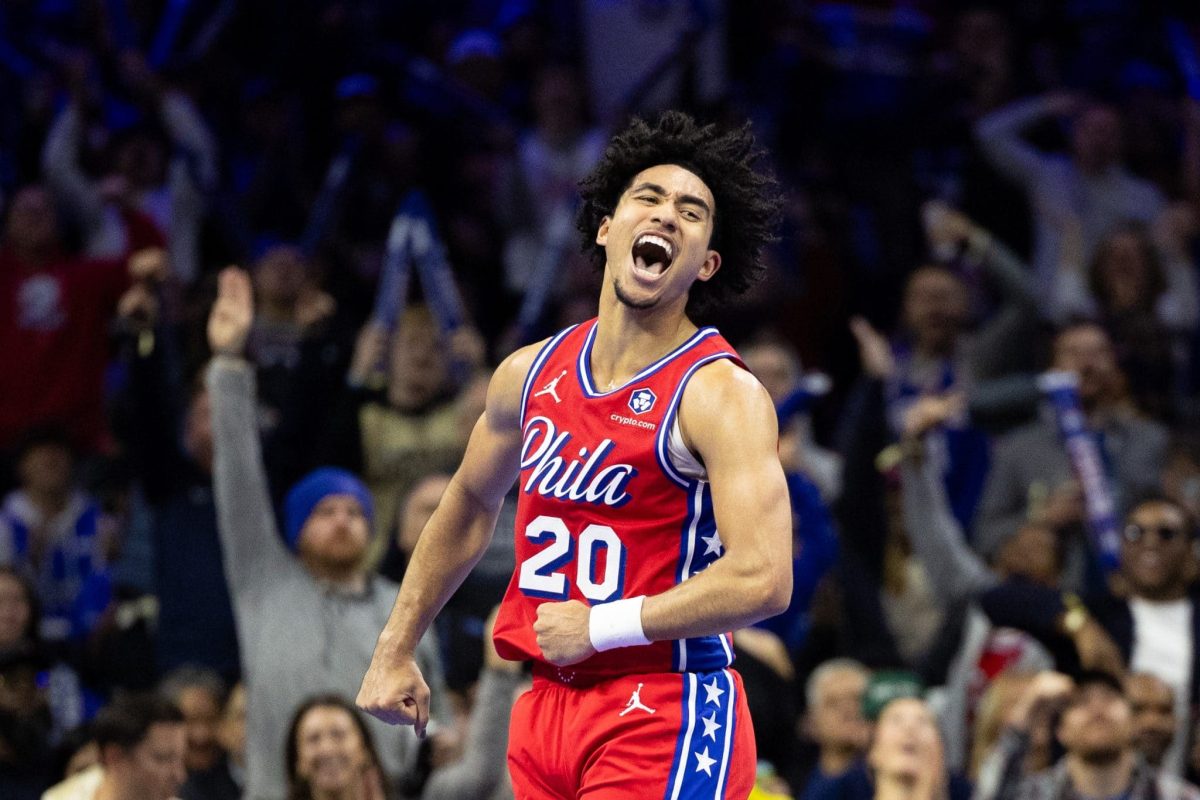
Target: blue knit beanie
{"points": [[311, 490]]}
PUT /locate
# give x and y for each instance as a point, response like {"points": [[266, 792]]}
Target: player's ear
{"points": [[602, 233], [712, 263]]}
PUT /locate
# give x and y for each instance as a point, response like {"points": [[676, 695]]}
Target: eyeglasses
{"points": [[1135, 533]]}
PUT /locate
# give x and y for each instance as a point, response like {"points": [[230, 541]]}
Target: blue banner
{"points": [[1061, 390]]}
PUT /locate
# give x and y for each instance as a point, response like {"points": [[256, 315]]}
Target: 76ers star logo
{"points": [[641, 401]]}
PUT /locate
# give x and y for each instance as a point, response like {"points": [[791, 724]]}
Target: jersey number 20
{"points": [[540, 576]]}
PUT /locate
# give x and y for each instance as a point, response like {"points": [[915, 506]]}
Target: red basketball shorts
{"points": [[659, 736]]}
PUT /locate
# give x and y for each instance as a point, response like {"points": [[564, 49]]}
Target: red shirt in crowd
{"points": [[54, 344]]}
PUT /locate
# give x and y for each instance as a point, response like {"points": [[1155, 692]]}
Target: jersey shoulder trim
{"points": [[539, 362]]}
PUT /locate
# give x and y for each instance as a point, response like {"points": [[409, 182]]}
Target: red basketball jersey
{"points": [[610, 506]]}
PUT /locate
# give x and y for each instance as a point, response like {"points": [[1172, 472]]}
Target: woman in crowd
{"points": [[330, 753]]}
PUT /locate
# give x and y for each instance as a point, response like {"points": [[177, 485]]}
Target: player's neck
{"points": [[629, 339]]}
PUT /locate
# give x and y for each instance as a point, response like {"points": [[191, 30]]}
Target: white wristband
{"points": [[617, 624]]}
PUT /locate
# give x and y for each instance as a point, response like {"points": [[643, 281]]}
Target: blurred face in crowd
{"points": [[46, 468], [153, 768], [1125, 272], [776, 367], [418, 367], [279, 276], [1087, 351], [422, 501], [836, 720], [336, 534], [232, 732], [31, 224], [906, 741], [1096, 140], [331, 753], [1097, 725], [1153, 706], [1156, 551], [935, 309], [1031, 553], [197, 431], [142, 161], [16, 612], [201, 716]]}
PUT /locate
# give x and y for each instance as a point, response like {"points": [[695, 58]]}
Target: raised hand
{"points": [[232, 314], [873, 349]]}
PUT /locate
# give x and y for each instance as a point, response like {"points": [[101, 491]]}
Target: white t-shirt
{"points": [[1162, 646]]}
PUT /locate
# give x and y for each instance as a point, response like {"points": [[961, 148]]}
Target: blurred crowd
{"points": [[207, 506]]}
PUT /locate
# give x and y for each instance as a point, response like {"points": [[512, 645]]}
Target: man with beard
{"points": [[1096, 729], [307, 610], [1151, 620], [1031, 477]]}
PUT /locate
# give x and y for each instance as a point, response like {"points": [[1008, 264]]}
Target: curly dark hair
{"points": [[728, 161]]}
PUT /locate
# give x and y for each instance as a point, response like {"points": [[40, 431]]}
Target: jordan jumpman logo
{"points": [[551, 388], [635, 702]]}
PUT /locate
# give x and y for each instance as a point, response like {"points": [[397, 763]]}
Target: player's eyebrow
{"points": [[690, 199]]}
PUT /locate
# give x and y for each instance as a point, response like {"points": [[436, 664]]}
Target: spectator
{"points": [[1031, 478], [1150, 620], [56, 311], [25, 725], [408, 428], [330, 753], [142, 743], [20, 639], [777, 366], [281, 597], [165, 181], [291, 307], [905, 756], [55, 533], [199, 694], [1097, 732], [834, 720], [1147, 303], [1154, 724], [538, 185], [1092, 184], [959, 576], [169, 437]]}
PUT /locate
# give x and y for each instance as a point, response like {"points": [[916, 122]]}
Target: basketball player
{"points": [[653, 515]]}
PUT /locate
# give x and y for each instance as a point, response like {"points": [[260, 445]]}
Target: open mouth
{"points": [[652, 254]]}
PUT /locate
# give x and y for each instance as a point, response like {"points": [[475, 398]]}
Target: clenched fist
{"points": [[563, 632], [394, 691]]}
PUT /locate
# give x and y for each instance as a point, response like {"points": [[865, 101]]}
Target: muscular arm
{"points": [[450, 545], [728, 420]]}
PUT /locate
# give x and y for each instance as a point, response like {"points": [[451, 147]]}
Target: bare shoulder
{"points": [[723, 402], [504, 390]]}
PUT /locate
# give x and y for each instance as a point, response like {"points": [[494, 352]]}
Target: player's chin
{"points": [[639, 301]]}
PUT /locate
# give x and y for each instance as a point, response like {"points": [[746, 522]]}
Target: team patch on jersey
{"points": [[642, 400]]}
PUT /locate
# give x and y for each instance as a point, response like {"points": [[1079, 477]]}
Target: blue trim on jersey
{"points": [[539, 361], [583, 366], [661, 452], [700, 765], [703, 652], [688, 719]]}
